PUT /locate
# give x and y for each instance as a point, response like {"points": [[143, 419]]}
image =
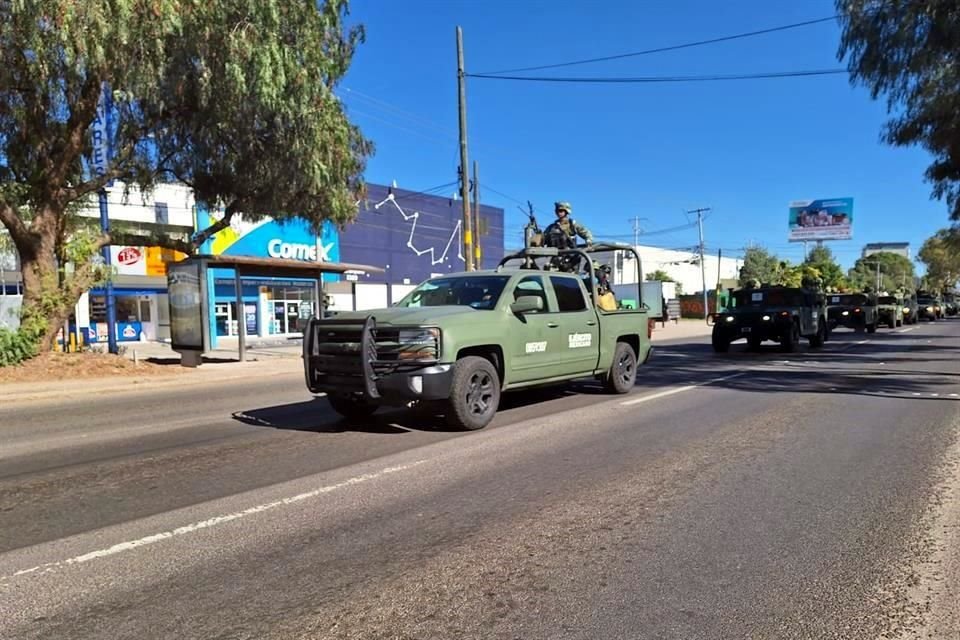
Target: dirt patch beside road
{"points": [[76, 366]]}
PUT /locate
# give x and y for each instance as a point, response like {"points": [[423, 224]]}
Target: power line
{"points": [[663, 49], [666, 79]]}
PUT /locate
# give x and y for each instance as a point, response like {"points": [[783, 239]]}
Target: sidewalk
{"points": [[217, 369], [685, 328]]}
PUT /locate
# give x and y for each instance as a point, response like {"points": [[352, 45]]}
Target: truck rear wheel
{"points": [[474, 394], [352, 406], [872, 328], [817, 341], [623, 370]]}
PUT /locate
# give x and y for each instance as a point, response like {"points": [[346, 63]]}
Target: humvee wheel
{"points": [[872, 328], [720, 344], [474, 394], [792, 339], [351, 406], [817, 341], [623, 371]]}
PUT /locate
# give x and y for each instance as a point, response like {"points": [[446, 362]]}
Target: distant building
{"points": [[899, 248], [682, 266]]}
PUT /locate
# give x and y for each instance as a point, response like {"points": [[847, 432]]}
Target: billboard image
{"points": [[826, 219]]}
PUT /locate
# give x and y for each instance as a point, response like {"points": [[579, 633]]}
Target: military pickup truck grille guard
{"points": [[351, 355]]}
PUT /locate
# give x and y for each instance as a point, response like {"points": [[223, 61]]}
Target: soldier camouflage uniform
{"points": [[571, 228]]}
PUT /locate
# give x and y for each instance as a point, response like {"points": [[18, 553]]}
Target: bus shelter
{"points": [[189, 295]]}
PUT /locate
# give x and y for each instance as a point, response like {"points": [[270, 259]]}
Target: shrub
{"points": [[15, 347]]}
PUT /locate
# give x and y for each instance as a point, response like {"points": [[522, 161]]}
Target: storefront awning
{"points": [[281, 267]]}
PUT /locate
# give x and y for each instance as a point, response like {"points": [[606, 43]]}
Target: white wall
{"points": [[678, 264], [370, 296], [139, 207]]}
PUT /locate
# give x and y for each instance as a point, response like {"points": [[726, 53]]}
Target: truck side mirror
{"points": [[527, 304]]}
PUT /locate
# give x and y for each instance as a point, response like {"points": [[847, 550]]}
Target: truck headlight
{"points": [[419, 344], [845, 313], [729, 319], [766, 318]]}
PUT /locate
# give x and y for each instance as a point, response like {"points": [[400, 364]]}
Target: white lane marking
{"points": [[954, 395], [670, 392], [918, 394], [906, 330], [935, 395], [206, 524], [863, 342]]}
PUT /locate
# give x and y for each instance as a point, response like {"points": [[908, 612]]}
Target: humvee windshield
{"points": [[477, 292], [767, 298], [849, 299], [887, 300], [925, 300]]}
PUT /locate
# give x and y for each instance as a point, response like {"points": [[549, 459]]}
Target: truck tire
{"points": [[816, 341], [754, 343], [474, 394], [352, 406], [792, 339], [622, 375], [720, 343], [872, 328]]}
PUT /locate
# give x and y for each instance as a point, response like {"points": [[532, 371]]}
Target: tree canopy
{"points": [[941, 255], [828, 270], [760, 266], [896, 272], [231, 97], [909, 52]]}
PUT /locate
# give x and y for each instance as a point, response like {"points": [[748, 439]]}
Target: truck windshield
{"points": [[766, 297], [887, 300], [477, 292], [848, 300]]}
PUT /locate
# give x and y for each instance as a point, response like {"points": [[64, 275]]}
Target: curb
{"points": [[75, 388]]}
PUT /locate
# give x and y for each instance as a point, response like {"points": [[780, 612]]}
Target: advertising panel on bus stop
{"points": [[825, 219], [186, 306]]}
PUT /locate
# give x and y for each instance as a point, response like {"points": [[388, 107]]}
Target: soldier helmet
{"points": [[562, 206]]}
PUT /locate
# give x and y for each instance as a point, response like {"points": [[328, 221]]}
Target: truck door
{"points": [[532, 343], [576, 322]]}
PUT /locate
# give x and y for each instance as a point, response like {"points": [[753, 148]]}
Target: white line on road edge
{"points": [[211, 522], [906, 330], [670, 392]]}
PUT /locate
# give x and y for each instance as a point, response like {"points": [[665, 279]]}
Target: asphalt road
{"points": [[764, 495]]}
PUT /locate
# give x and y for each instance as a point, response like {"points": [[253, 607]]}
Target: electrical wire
{"points": [[665, 79], [687, 45]]}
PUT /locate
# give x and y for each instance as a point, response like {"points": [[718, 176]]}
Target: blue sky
{"points": [[743, 148]]}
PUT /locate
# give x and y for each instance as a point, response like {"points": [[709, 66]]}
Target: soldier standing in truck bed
{"points": [[568, 226]]}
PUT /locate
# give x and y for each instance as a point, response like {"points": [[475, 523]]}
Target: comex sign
{"points": [[277, 248]]}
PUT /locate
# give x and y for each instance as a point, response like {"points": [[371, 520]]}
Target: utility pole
{"points": [[703, 265], [467, 225], [477, 252], [636, 229]]}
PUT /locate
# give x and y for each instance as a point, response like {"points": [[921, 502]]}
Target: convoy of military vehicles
{"points": [[545, 316]]}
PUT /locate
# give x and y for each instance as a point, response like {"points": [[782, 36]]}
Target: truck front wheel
{"points": [[351, 406], [623, 371], [474, 394]]}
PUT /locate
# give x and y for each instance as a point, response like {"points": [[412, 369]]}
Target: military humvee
{"points": [[780, 314], [930, 307], [456, 342], [857, 311], [890, 311], [910, 309]]}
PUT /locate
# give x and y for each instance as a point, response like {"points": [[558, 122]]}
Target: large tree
{"points": [[829, 271], [662, 276], [896, 272], [941, 255], [909, 52], [759, 266], [231, 97]]}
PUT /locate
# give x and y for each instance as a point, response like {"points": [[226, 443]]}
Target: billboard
{"points": [[186, 306], [826, 219]]}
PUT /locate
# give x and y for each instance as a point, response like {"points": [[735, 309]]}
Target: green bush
{"points": [[15, 347]]}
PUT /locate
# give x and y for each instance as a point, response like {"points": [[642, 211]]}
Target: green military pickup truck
{"points": [[458, 341]]}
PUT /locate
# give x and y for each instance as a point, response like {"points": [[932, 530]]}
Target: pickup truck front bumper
{"points": [[341, 357], [771, 330]]}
